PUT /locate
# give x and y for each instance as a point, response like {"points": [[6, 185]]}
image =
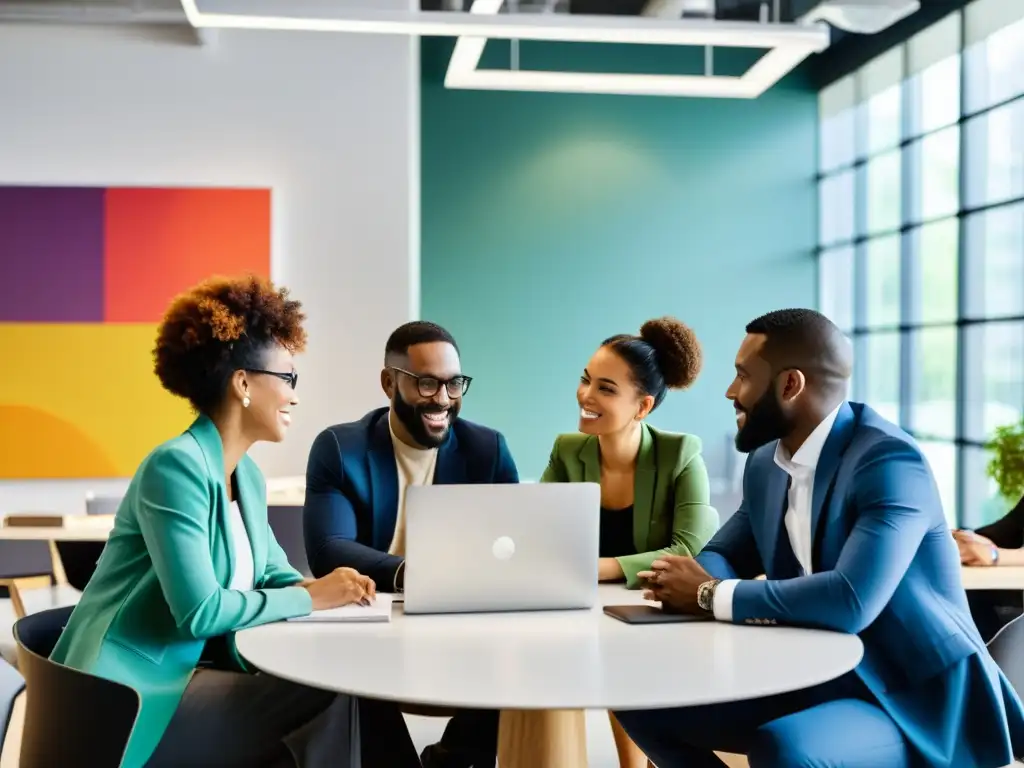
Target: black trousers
{"points": [[472, 737], [236, 720], [469, 739]]}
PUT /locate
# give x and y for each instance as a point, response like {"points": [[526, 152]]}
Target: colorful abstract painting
{"points": [[86, 274]]}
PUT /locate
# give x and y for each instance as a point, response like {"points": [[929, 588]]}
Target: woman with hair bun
{"points": [[655, 498], [191, 560], [654, 487]]}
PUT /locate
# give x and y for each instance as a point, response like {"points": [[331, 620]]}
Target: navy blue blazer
{"points": [[885, 568], [352, 489]]}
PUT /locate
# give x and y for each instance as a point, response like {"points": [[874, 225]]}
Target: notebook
{"points": [[379, 610]]}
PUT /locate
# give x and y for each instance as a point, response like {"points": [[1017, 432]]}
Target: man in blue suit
{"points": [[358, 472], [841, 514]]}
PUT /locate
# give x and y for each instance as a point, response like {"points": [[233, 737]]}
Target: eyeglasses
{"points": [[429, 386], [291, 377]]}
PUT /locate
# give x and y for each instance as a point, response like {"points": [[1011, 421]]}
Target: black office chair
{"points": [[23, 565], [1007, 648], [72, 719], [11, 686], [79, 559], [286, 523]]}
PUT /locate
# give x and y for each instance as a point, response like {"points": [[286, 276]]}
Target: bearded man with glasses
{"points": [[358, 472]]}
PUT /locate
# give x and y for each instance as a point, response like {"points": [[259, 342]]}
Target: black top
{"points": [[1007, 532], [616, 532], [994, 608]]}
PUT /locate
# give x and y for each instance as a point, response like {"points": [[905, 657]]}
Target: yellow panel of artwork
{"points": [[82, 400]]}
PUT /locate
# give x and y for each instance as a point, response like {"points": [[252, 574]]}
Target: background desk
{"points": [[285, 515], [33, 551], [562, 660], [74, 528], [1009, 577], [285, 521]]}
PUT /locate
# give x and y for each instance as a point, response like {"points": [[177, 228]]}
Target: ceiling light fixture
{"points": [[789, 46], [327, 16]]}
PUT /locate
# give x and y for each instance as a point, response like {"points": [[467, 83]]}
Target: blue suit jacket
{"points": [[352, 489], [885, 568]]}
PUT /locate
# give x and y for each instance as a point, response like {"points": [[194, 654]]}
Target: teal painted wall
{"points": [[551, 221]]}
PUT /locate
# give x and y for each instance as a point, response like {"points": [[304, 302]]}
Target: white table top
{"points": [[994, 577], [549, 660]]}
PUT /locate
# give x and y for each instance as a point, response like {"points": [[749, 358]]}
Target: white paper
{"points": [[379, 610]]}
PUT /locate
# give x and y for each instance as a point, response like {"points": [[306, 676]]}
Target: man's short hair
{"points": [[804, 339], [413, 333]]}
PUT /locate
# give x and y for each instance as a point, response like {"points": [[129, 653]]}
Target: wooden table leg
{"points": [[15, 595], [16, 584], [59, 577], [542, 739]]}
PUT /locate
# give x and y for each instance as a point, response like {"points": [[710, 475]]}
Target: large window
{"points": [[921, 258]]}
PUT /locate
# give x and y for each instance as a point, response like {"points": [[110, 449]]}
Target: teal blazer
{"points": [[160, 588], [672, 512]]}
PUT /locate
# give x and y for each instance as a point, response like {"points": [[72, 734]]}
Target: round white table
{"points": [[559, 660]]}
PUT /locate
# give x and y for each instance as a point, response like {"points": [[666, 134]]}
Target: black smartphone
{"points": [[649, 614]]}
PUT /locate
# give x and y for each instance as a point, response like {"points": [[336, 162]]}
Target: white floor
{"points": [[424, 730]]}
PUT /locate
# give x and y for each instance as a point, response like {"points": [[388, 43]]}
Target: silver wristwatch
{"points": [[706, 595]]}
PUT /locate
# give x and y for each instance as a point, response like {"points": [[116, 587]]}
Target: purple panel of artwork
{"points": [[51, 254]]}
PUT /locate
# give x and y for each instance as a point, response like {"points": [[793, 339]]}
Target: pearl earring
{"points": [[245, 401]]}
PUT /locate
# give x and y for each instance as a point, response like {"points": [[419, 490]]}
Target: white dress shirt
{"points": [[800, 467], [243, 575]]}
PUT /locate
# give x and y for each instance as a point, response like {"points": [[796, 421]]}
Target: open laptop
{"points": [[508, 547]]}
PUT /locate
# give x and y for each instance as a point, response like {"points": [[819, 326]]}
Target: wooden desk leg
{"points": [[18, 583], [15, 595], [59, 577], [542, 739]]}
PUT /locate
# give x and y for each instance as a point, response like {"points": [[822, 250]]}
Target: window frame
{"points": [[970, 379]]}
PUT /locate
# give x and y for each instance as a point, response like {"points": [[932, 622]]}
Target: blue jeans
{"points": [[834, 725]]}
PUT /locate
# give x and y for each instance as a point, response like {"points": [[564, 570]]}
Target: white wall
{"points": [[330, 122]]}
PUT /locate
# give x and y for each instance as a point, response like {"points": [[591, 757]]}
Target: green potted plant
{"points": [[1006, 465]]}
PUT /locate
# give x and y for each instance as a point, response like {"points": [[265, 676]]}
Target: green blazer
{"points": [[159, 590], [672, 512]]}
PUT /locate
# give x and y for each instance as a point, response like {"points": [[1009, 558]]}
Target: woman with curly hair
{"points": [[191, 560], [655, 497]]}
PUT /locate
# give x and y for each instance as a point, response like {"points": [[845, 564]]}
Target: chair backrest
{"points": [[1007, 648], [79, 559], [19, 557], [11, 686], [72, 718], [102, 505], [286, 523]]}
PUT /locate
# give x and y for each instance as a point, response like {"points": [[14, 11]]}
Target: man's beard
{"points": [[765, 422], [411, 417]]}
